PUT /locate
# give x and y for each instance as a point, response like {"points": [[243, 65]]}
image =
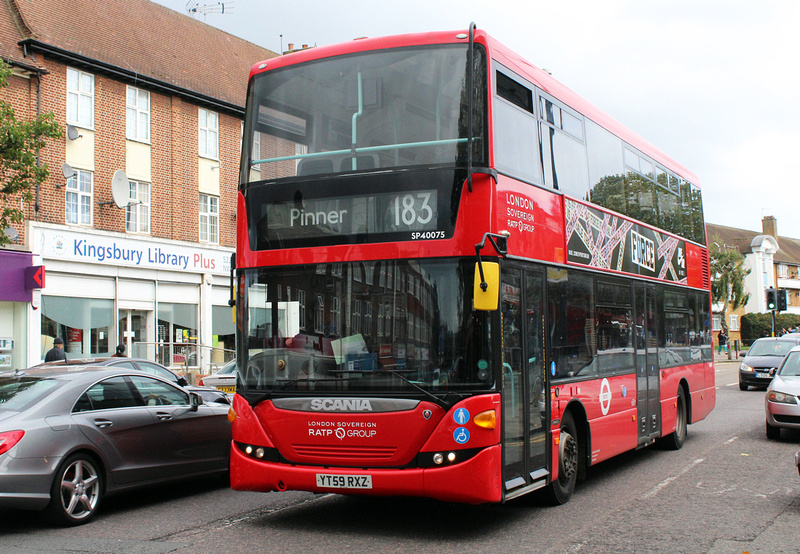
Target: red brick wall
{"points": [[174, 194]]}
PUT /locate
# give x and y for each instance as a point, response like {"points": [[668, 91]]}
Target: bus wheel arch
{"points": [[572, 462]]}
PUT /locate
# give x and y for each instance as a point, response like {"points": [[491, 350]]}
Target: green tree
{"points": [[727, 278], [20, 170]]}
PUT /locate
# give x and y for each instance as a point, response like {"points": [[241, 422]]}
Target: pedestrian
{"points": [[120, 353], [722, 339], [57, 352]]}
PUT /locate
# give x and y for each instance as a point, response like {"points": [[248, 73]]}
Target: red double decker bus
{"points": [[456, 278]]}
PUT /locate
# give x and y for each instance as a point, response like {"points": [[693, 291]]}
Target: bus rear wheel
{"points": [[675, 440], [559, 491]]}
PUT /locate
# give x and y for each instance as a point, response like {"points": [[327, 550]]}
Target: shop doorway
{"points": [[133, 332]]}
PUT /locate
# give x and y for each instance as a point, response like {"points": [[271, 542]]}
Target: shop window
{"points": [[84, 324], [177, 334], [223, 331]]}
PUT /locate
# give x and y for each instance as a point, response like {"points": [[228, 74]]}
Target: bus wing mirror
{"points": [[486, 298]]}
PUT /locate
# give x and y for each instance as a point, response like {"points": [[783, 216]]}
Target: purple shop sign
{"points": [[12, 274]]}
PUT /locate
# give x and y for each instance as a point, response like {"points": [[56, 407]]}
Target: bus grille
{"points": [[341, 452], [706, 270]]}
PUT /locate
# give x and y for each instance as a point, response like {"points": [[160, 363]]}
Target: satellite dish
{"points": [[11, 233], [119, 189], [68, 172], [72, 132]]}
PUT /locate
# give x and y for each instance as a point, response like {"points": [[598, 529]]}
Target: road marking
{"points": [[655, 490], [730, 440]]}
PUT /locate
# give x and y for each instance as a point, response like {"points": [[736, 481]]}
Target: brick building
{"points": [[137, 233]]}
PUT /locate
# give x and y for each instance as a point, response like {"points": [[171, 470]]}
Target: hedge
{"points": [[755, 326]]}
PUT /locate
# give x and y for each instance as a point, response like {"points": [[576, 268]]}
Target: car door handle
{"points": [[162, 416], [103, 423]]}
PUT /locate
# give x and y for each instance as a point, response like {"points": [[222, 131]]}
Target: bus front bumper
{"points": [[474, 481]]}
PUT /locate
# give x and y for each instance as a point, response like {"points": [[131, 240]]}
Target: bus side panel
{"points": [[610, 407], [702, 397], [535, 219]]}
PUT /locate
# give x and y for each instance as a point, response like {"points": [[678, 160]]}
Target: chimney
{"points": [[769, 225], [291, 46]]}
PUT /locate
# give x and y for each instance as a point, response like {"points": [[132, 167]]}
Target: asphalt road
{"points": [[729, 490]]}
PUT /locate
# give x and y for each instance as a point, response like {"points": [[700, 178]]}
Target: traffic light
{"points": [[772, 299], [782, 300]]}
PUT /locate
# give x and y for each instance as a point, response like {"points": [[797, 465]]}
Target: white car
{"points": [[781, 402], [224, 379]]}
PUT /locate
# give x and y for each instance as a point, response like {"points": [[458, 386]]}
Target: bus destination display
{"points": [[414, 212]]}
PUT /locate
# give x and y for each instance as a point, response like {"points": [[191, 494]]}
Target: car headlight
{"points": [[745, 367], [781, 397]]}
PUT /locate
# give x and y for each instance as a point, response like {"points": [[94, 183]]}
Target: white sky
{"points": [[713, 83]]}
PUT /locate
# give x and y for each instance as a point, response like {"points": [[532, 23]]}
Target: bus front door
{"points": [[525, 403], [647, 380]]}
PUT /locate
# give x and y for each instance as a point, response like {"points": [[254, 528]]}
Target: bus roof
{"points": [[499, 52]]}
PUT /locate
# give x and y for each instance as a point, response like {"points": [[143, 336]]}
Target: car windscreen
{"points": [[791, 365], [20, 393], [771, 348]]}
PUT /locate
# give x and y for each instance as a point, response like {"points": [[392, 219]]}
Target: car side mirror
{"points": [[196, 400], [772, 372], [183, 382]]}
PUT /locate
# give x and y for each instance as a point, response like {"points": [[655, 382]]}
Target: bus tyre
{"points": [[773, 433], [76, 491], [675, 440], [560, 490]]}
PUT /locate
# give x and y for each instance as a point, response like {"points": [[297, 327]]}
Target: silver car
{"points": [[781, 402], [224, 379], [70, 435]]}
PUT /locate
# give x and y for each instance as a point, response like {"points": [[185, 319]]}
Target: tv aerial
{"points": [[193, 8]]}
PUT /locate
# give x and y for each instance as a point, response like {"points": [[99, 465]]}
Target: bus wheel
{"points": [[675, 440], [560, 490]]}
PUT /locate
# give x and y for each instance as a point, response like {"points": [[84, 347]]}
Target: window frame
{"points": [[74, 114], [136, 205], [137, 112], [207, 217], [204, 130], [73, 187]]}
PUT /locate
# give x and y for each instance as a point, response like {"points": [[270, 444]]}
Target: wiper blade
{"points": [[433, 398]]}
